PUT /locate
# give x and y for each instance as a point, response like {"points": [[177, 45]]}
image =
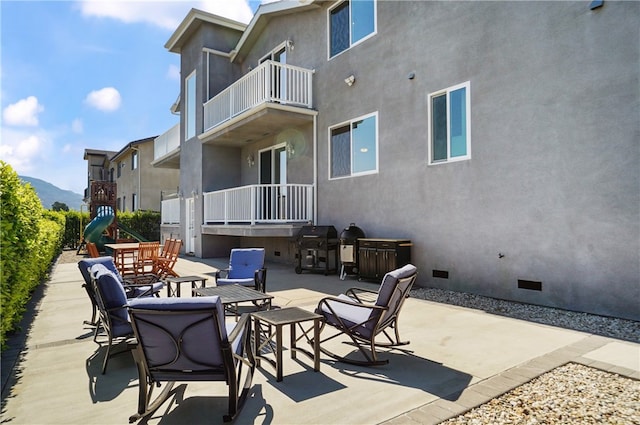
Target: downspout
{"points": [[315, 168]]}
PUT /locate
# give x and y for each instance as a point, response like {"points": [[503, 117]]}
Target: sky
{"points": [[88, 74]]}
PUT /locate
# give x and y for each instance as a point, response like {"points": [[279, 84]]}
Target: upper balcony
{"points": [[166, 149], [268, 98]]}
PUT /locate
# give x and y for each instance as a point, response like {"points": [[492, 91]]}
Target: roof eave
{"points": [[190, 22]]}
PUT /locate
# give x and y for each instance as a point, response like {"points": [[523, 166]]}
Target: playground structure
{"points": [[103, 226]]}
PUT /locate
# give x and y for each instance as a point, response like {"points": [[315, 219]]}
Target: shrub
{"points": [[144, 223], [30, 239]]}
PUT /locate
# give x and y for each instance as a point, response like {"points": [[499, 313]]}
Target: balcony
{"points": [[258, 210], [166, 149], [268, 98]]}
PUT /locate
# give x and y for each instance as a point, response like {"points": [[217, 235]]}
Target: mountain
{"points": [[49, 194]]}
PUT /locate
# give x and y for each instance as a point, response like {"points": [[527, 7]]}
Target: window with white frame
{"points": [[134, 160], [449, 124], [190, 106], [353, 147], [350, 22]]}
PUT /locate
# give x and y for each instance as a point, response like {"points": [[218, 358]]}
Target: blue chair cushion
{"points": [[244, 262], [244, 282], [85, 265], [112, 293]]}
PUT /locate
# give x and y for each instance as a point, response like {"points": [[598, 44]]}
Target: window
{"points": [[134, 160], [350, 22], [190, 100], [134, 200], [120, 165], [353, 147], [449, 125]]}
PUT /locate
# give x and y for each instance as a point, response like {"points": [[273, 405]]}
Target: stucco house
{"points": [[501, 138], [140, 186]]}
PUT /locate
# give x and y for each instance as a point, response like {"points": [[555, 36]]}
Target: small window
{"points": [[134, 201], [190, 100], [134, 160], [449, 125], [120, 165], [350, 22], [353, 147]]}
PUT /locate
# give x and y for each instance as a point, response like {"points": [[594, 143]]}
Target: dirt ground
{"points": [[70, 256]]}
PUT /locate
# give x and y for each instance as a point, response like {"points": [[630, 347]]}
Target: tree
{"points": [[59, 206]]}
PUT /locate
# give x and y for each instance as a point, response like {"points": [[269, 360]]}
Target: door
{"points": [[278, 73], [273, 178], [190, 235]]}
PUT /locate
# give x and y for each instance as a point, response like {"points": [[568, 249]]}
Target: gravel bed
{"points": [[612, 327], [571, 394]]}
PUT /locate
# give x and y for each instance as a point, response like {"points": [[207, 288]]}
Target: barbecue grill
{"points": [[349, 250], [315, 245]]}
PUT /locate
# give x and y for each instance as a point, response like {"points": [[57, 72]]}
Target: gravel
{"points": [[571, 394]]}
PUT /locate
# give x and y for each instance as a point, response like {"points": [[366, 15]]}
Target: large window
{"points": [[190, 106], [449, 125], [353, 147], [350, 22]]}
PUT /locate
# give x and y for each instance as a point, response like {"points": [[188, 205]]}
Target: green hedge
{"points": [[30, 239], [146, 223], [74, 220]]}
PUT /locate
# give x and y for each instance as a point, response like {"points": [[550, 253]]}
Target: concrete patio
{"points": [[459, 358]]}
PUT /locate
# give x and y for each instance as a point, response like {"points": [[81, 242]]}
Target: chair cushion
{"points": [[85, 265], [244, 282], [244, 262], [348, 312], [111, 291], [148, 291], [389, 282]]}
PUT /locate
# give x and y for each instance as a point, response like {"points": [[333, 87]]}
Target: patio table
{"points": [[232, 295]]}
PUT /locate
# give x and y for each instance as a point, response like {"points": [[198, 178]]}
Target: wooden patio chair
{"points": [[187, 339], [147, 257], [361, 322], [168, 258]]}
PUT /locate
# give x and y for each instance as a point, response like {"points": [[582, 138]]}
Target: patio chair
{"points": [[147, 257], [187, 339], [92, 250], [112, 305], [246, 268], [167, 259], [134, 287], [363, 321]]}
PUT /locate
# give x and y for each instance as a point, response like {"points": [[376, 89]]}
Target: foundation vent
{"points": [[529, 284], [442, 274]]}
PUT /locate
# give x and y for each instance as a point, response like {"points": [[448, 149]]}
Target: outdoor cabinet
{"points": [[376, 257]]}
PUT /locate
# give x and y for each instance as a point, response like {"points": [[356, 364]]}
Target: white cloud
{"points": [[23, 113], [77, 126], [165, 14], [173, 73], [107, 99], [25, 151]]}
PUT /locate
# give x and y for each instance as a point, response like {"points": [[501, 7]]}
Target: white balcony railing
{"points": [[269, 82], [263, 203], [170, 212], [166, 142]]}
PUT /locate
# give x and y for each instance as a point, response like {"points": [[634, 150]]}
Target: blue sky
{"points": [[88, 74]]}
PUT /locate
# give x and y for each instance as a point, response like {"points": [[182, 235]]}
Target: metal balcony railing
{"points": [[269, 82], [260, 203]]}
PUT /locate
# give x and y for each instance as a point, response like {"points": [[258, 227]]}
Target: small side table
{"points": [[175, 292], [278, 318]]}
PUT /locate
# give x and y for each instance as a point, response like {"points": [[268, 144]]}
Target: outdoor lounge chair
{"points": [[187, 339], [112, 305], [246, 268], [134, 287], [362, 321]]}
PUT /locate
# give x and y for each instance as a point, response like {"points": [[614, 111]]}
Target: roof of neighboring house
{"points": [[98, 152], [130, 145]]}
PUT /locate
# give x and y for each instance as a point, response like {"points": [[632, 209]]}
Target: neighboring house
{"points": [[502, 138], [140, 186]]}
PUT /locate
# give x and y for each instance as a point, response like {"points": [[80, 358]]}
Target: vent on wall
{"points": [[529, 284], [442, 274]]}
